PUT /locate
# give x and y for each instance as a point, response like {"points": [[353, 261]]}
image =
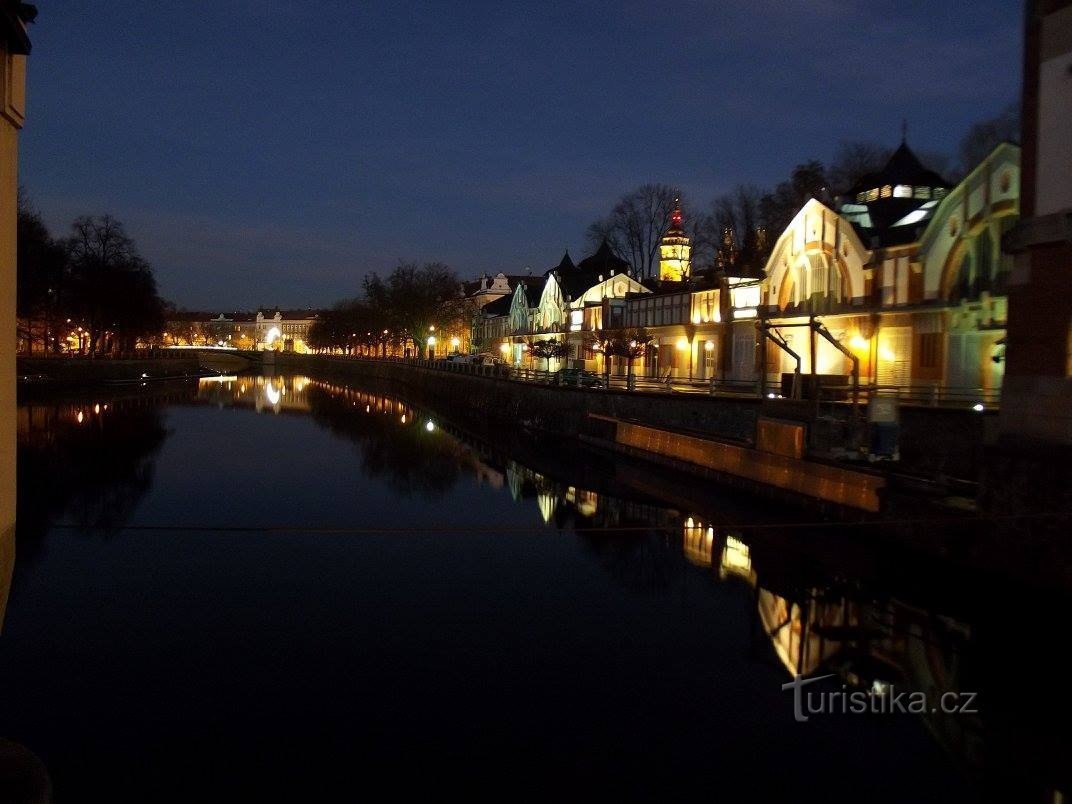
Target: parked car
{"points": [[578, 378], [484, 360]]}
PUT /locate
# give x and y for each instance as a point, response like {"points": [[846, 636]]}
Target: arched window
{"points": [[984, 260], [962, 286]]}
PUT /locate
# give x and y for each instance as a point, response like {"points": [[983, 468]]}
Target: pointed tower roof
{"points": [[903, 167], [603, 261], [675, 229]]}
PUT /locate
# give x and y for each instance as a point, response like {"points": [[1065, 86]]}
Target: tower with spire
{"points": [[675, 250]]}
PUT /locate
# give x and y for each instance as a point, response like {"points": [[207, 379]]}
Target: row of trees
{"points": [[405, 307], [628, 343], [736, 231], [92, 283]]}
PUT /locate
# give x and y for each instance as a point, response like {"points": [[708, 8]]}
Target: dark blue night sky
{"points": [[268, 152]]}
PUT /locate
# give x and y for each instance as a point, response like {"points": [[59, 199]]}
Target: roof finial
{"points": [[904, 131]]}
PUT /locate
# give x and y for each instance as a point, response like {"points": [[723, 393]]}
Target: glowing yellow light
{"points": [[709, 346], [79, 417], [455, 342], [859, 342], [504, 348], [431, 340], [886, 354], [403, 418], [429, 426], [96, 408], [682, 343]]}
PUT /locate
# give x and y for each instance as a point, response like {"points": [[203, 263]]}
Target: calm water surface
{"points": [[270, 587]]}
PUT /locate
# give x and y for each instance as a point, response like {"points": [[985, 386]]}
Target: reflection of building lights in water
{"points": [[429, 426], [79, 417], [697, 542], [271, 394], [368, 408], [548, 502], [96, 408], [736, 558], [403, 418]]}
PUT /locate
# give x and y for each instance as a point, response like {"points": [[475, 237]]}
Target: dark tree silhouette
{"points": [[113, 291], [636, 225], [412, 299]]}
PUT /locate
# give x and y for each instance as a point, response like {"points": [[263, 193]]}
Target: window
{"points": [[984, 255], [872, 195], [930, 350], [902, 191], [923, 192], [886, 192]]}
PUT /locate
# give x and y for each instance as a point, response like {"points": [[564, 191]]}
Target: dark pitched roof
{"points": [[603, 261], [903, 167], [534, 289], [14, 16], [576, 279], [501, 306]]}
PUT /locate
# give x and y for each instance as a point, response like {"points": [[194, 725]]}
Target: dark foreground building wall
{"points": [[1029, 468]]}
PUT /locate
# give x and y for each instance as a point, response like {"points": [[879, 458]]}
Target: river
{"points": [[254, 584]]}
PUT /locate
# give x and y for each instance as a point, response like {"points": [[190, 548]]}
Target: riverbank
{"points": [[74, 371], [941, 449]]}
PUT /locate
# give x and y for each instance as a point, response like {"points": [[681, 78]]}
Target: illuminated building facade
{"points": [[283, 330], [277, 330], [906, 275], [559, 303]]}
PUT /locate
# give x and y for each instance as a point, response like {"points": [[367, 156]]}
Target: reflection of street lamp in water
{"points": [[271, 394]]}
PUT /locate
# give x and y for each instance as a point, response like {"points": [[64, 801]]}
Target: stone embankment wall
{"points": [[934, 442], [563, 411]]}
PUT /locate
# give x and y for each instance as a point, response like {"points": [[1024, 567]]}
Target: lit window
{"points": [[923, 192], [902, 191], [886, 192], [872, 194]]}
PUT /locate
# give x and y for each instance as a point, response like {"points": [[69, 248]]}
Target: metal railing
{"points": [[934, 395]]}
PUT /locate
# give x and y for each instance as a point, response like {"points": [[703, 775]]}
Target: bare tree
{"points": [[636, 225], [985, 135], [416, 300], [853, 160], [113, 287], [734, 231]]}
